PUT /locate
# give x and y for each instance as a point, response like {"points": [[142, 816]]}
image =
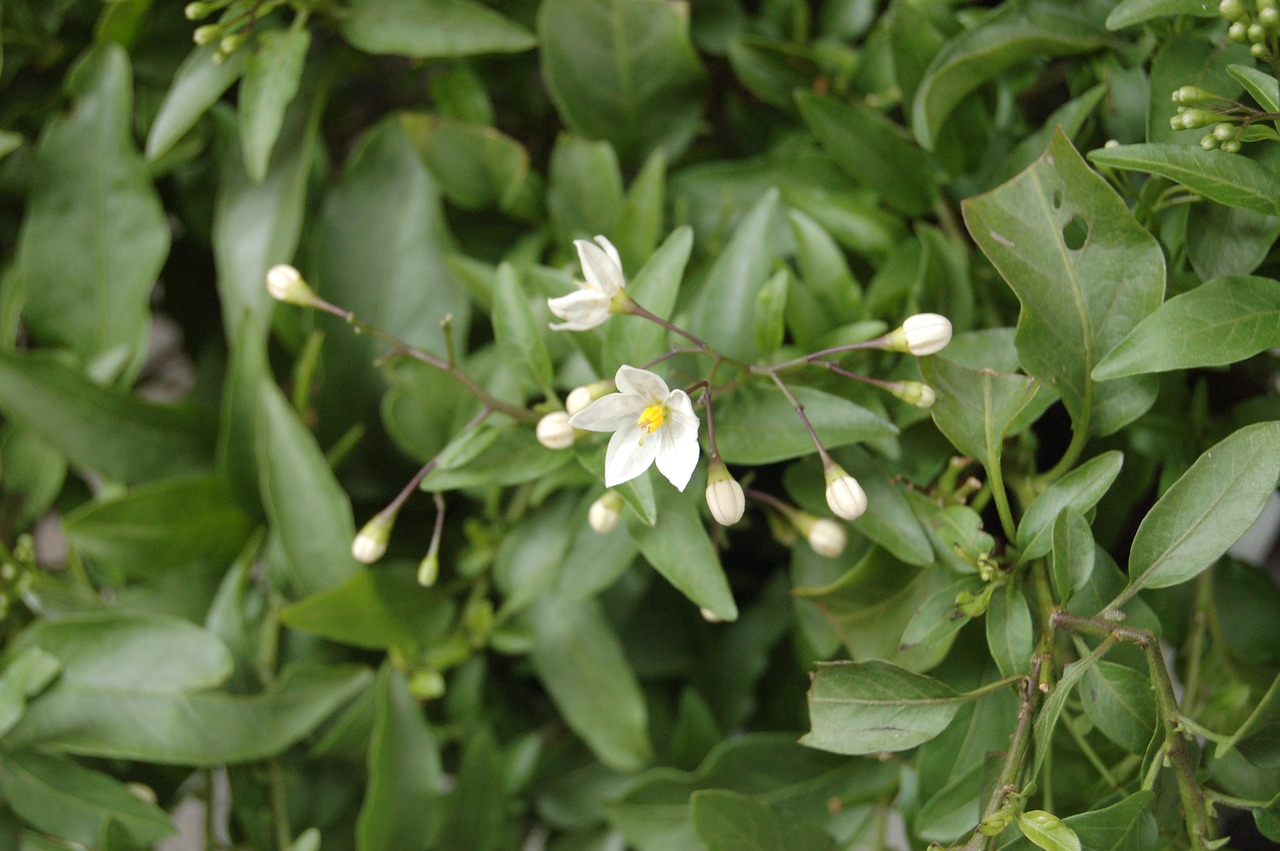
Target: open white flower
{"points": [[591, 305], [650, 422]]}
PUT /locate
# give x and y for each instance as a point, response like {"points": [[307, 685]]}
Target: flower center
{"points": [[652, 418]]}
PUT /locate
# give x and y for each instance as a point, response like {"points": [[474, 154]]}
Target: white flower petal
{"points": [[603, 274], [609, 413], [677, 455], [628, 457], [582, 310], [641, 383], [678, 402], [604, 243]]}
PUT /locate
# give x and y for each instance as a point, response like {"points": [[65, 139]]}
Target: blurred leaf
{"points": [[823, 268], [1130, 12], [55, 794], [307, 507], [197, 85], [1009, 631], [1068, 283], [477, 166], [757, 424], [1258, 738], [1121, 701], [518, 334], [624, 71], [432, 29], [92, 293], [1011, 35], [515, 456], [1051, 708], [1207, 509], [401, 810], [873, 151], [873, 706], [1219, 322], [1227, 179], [584, 188], [772, 69], [642, 220], [27, 674], [161, 525], [271, 79], [771, 306], [122, 437], [1080, 489], [31, 475], [377, 608], [477, 814], [975, 409], [581, 662], [184, 728], [678, 547], [728, 821]]}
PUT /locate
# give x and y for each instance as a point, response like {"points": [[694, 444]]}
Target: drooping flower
{"points": [[650, 423], [599, 296]]}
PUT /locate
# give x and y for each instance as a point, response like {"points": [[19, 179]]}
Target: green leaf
{"points": [[823, 268], [477, 166], [1264, 87], [401, 807], [1225, 178], [518, 334], [122, 437], [582, 664], [32, 474], [1009, 631], [728, 821], [1219, 322], [873, 706], [25, 676], [1051, 709], [1070, 283], [1014, 34], [678, 547], [1190, 59], [757, 424], [1131, 12], [432, 29], [271, 80], [377, 608], [975, 408], [873, 151], [515, 456], [1048, 831], [1122, 703], [1080, 489], [197, 85], [655, 287], [889, 519], [307, 507], [1071, 562], [724, 313], [624, 71], [160, 526], [584, 188], [480, 805], [1207, 509], [771, 306], [939, 617], [57, 795], [183, 728], [91, 293], [1224, 241]]}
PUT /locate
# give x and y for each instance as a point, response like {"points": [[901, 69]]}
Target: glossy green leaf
{"points": [[655, 287], [1010, 633], [1080, 489], [758, 425], [1231, 180], [724, 313], [1068, 247], [678, 547], [161, 525], [477, 166], [939, 616], [873, 706], [271, 79], [123, 437], [975, 408], [1219, 322], [889, 519], [1264, 87], [728, 821], [1124, 826], [432, 29], [307, 507], [1071, 561], [26, 675], [1121, 701], [378, 608], [515, 456], [1048, 831], [1207, 509], [401, 807], [584, 188], [197, 85], [1012, 35], [873, 151], [91, 293], [518, 333], [185, 728], [62, 797], [624, 71], [1223, 241], [581, 662], [1127, 13], [823, 268]]}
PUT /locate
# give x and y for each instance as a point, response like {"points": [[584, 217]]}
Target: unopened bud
{"points": [[580, 397], [1257, 33], [371, 543], [914, 393], [1191, 95], [429, 568], [1209, 143], [195, 11], [1225, 131], [1193, 118], [1232, 10], [710, 616], [845, 497], [1269, 17], [554, 431], [286, 284], [826, 537], [1239, 31], [1259, 51], [604, 513], [724, 494], [207, 34], [1230, 147], [922, 334]]}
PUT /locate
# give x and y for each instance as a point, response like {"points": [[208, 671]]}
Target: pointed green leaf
{"points": [[1071, 561], [270, 82], [1080, 489], [518, 333], [975, 408], [1264, 87], [377, 608], [584, 188], [1009, 631], [1121, 701], [515, 456], [678, 547], [431, 29], [728, 821], [1124, 826], [1048, 831], [197, 85], [477, 166], [655, 287], [29, 672], [1227, 179], [758, 425]]}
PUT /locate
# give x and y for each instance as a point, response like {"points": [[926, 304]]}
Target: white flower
{"points": [[649, 423], [590, 305], [605, 512], [554, 431], [926, 333], [845, 496]]}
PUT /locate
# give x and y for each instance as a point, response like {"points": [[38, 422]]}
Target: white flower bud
{"points": [[577, 399], [827, 537], [724, 494], [710, 616], [285, 284], [371, 543], [845, 496], [604, 513], [554, 431], [926, 333]]}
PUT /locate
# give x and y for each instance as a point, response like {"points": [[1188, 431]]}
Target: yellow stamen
{"points": [[651, 418]]}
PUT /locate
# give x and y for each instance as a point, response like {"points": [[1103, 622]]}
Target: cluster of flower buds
{"points": [[1259, 30], [233, 26], [1199, 107]]}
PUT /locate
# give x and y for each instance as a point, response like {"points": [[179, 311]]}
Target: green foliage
{"points": [[303, 517]]}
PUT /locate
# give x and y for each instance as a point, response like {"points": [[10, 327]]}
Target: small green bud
{"points": [[207, 34], [1224, 132], [1259, 51], [1191, 95], [1269, 18], [426, 684], [229, 44], [1209, 142], [1232, 10], [1257, 33], [1265, 4], [196, 11], [1193, 118], [1239, 31], [429, 569], [1231, 147]]}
